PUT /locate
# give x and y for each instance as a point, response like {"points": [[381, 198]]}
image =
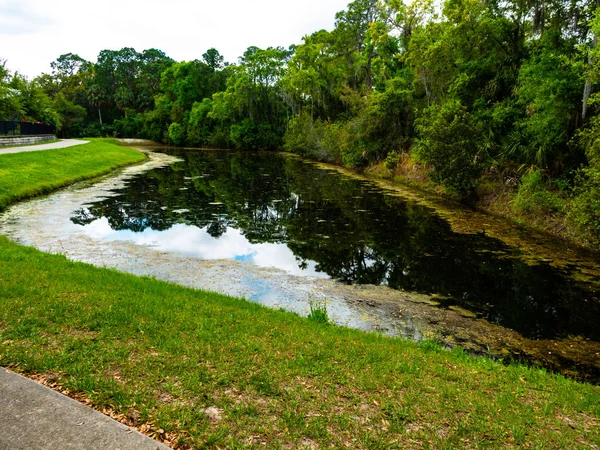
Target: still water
{"points": [[284, 213], [297, 220]]}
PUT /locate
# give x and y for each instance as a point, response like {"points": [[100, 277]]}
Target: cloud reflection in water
{"points": [[193, 241]]}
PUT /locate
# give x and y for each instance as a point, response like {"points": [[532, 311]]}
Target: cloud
{"points": [[182, 29], [193, 241], [19, 18]]}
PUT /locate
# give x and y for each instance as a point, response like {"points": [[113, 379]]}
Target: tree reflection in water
{"points": [[353, 232]]}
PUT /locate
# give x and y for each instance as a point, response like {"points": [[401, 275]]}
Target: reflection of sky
{"points": [[193, 241]]}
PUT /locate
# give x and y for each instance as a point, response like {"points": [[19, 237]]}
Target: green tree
{"points": [[10, 102], [448, 142]]}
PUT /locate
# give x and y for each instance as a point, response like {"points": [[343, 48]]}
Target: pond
{"points": [[287, 233]]}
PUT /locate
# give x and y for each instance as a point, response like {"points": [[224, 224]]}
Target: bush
{"points": [[246, 135], [220, 138], [448, 142], [535, 196], [315, 138], [92, 130], [176, 134], [130, 126], [301, 136], [584, 212], [391, 161]]}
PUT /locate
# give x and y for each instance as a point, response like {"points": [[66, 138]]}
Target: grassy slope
{"points": [[28, 174], [159, 354]]}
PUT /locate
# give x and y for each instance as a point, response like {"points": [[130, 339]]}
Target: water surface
{"points": [[301, 228], [281, 212]]}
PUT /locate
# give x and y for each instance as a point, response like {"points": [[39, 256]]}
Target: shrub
{"points": [[301, 136], [316, 139], [448, 142], [176, 134], [535, 196], [247, 135], [392, 160], [584, 212], [130, 126]]}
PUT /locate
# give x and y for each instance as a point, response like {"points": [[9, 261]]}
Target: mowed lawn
{"points": [[202, 370], [28, 174]]}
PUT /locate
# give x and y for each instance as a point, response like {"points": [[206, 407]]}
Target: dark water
{"points": [[282, 212]]}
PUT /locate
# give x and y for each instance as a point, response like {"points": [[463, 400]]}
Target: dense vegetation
{"points": [[475, 91]]}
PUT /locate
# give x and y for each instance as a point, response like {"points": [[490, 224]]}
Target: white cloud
{"points": [[18, 18], [196, 242], [39, 31]]}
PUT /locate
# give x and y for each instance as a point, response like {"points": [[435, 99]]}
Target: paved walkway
{"points": [[35, 417], [63, 143]]}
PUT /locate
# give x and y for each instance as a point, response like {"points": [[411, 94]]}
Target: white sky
{"points": [[33, 33]]}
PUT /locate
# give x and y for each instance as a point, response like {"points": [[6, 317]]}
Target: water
{"points": [[299, 227], [284, 213]]}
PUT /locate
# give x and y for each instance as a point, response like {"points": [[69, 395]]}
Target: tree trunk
{"points": [[100, 116], [587, 90], [369, 77]]}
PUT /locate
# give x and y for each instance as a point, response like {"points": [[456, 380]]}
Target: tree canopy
{"points": [[465, 87]]}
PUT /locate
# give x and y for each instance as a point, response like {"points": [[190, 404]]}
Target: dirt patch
{"points": [[84, 334]]}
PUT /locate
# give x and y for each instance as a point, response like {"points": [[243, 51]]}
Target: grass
{"points": [[318, 312], [202, 370], [27, 174], [160, 355]]}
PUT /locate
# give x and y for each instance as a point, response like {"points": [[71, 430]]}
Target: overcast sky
{"points": [[33, 33]]}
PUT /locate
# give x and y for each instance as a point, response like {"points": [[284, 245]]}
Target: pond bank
{"points": [[184, 365], [49, 224], [494, 199], [29, 174], [166, 358]]}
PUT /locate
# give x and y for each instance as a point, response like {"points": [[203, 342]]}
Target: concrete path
{"points": [[63, 143], [35, 417]]}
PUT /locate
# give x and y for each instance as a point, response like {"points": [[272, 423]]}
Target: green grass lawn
{"points": [[28, 174], [201, 370]]}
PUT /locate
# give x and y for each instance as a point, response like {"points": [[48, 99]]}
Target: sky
{"points": [[33, 33]]}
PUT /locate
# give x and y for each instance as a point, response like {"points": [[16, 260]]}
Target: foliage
{"points": [[448, 141], [535, 195], [303, 136], [176, 134], [548, 95], [71, 114], [584, 212], [469, 87], [391, 161]]}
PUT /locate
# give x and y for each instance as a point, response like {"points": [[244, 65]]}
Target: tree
{"points": [[448, 142], [70, 113], [213, 59], [10, 104], [97, 98]]}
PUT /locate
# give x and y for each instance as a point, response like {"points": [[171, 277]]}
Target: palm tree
{"points": [[97, 98]]}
